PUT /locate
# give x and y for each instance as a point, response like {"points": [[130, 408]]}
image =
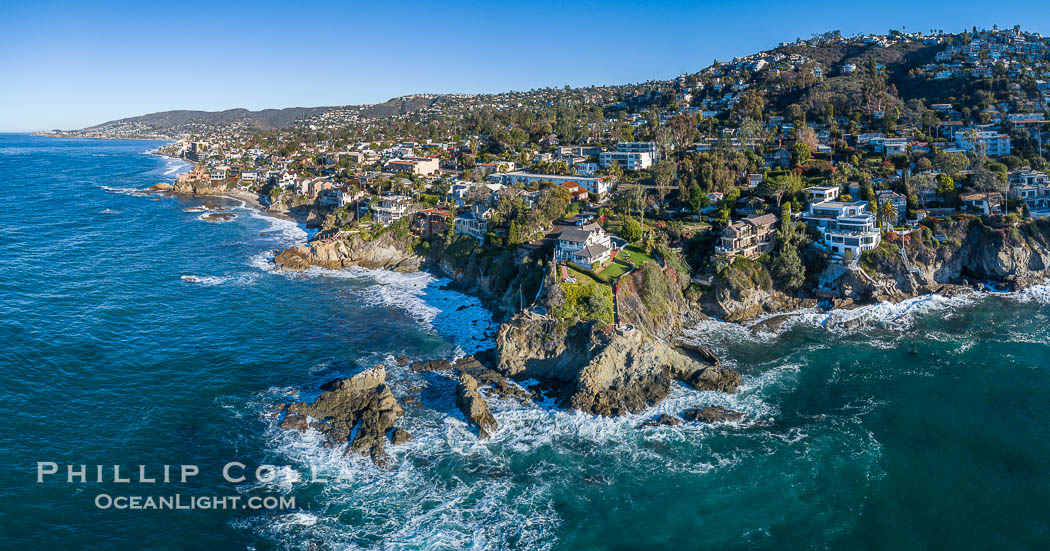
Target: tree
{"points": [[697, 199], [683, 130], [945, 185], [631, 230], [800, 154], [663, 173], [887, 212]]}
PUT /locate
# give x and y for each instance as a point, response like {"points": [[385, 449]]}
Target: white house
{"points": [[390, 209], [596, 186], [628, 160], [584, 245], [992, 143], [844, 226]]}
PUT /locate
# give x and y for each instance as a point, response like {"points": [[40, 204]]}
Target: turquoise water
{"points": [[918, 426]]}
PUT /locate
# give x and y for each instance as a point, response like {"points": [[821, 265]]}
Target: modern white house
{"points": [[819, 194], [628, 160], [844, 226]]}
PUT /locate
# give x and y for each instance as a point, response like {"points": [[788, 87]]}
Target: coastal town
{"points": [[785, 162], [595, 223]]}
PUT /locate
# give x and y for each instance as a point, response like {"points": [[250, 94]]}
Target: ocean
{"points": [[138, 333]]}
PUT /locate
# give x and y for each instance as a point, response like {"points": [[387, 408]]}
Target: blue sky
{"points": [[69, 65]]}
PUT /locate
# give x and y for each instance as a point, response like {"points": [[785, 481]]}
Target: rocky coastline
{"points": [[607, 370]]}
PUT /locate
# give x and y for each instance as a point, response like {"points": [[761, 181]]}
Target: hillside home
{"points": [[844, 226], [980, 203], [584, 246], [390, 209], [749, 237], [474, 222]]}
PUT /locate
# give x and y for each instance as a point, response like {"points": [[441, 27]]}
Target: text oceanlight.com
{"points": [[186, 502]]}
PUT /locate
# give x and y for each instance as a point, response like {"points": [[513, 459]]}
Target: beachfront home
{"points": [[584, 246], [899, 202], [844, 226], [749, 237], [430, 222], [475, 222], [980, 203], [390, 209]]}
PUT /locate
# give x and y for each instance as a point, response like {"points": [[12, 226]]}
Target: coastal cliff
{"points": [[588, 364], [963, 253], [947, 257], [606, 370]]}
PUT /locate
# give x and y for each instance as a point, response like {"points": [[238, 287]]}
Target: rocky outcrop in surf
{"points": [[608, 370], [199, 187], [345, 250], [363, 402], [473, 405]]}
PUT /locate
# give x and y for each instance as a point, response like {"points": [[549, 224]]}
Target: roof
{"points": [[591, 251], [763, 220], [576, 235]]}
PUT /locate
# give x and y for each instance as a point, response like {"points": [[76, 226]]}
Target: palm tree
{"points": [[887, 211]]}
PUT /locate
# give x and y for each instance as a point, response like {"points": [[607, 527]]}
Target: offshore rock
{"points": [[385, 252], [664, 420], [473, 406], [712, 414], [601, 370], [363, 401], [399, 436]]}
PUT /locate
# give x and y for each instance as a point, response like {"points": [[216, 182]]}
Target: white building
{"points": [[991, 143], [388, 210], [626, 159], [597, 186], [844, 226], [583, 246]]}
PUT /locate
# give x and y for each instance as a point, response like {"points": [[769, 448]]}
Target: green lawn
{"points": [[637, 255], [613, 271], [581, 277]]}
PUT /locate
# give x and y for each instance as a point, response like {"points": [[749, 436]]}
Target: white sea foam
{"points": [[1035, 293], [211, 281]]}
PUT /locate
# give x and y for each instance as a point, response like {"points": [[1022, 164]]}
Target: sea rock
{"points": [[473, 406], [602, 371], [664, 420], [362, 401], [160, 186], [219, 217], [716, 378], [343, 250], [699, 350], [399, 436], [435, 365], [293, 259], [712, 414]]}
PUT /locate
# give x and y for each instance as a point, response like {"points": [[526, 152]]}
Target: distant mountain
{"points": [[265, 119]]}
